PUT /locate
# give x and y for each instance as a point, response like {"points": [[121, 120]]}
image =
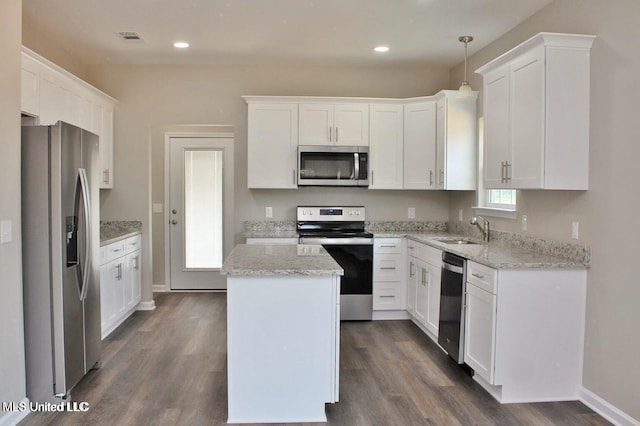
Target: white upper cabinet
{"points": [[30, 86], [536, 108], [385, 146], [456, 141], [52, 94], [420, 145], [272, 145], [334, 124]]}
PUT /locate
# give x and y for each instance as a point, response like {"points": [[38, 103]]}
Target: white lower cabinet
{"points": [[120, 282], [524, 332], [389, 290], [423, 286]]}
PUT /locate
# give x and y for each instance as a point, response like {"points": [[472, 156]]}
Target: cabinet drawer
{"points": [[113, 251], [387, 296], [387, 245], [132, 244], [482, 276], [387, 267], [424, 252]]}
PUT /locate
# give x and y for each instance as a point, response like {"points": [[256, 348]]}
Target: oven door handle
{"points": [[337, 241]]}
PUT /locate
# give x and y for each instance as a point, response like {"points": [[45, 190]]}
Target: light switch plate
{"points": [[575, 227], [411, 213], [6, 231], [524, 222], [268, 212]]}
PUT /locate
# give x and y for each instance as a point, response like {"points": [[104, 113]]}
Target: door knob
{"points": [[174, 211], [173, 221]]}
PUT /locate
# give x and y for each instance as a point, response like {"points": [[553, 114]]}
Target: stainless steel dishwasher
{"points": [[451, 325]]}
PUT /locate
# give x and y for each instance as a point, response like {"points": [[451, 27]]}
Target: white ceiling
{"points": [[329, 32]]}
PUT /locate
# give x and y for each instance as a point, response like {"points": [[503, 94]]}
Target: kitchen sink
{"points": [[459, 241]]}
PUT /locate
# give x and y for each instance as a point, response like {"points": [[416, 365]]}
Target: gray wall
{"points": [[153, 97], [12, 368], [605, 212]]}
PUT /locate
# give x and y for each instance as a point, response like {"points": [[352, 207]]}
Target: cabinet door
{"points": [[132, 282], [351, 122], [433, 299], [527, 86], [55, 98], [272, 146], [316, 124], [480, 332], [412, 281], [385, 152], [112, 303], [422, 292], [30, 100], [103, 125], [441, 139], [420, 146], [496, 127]]}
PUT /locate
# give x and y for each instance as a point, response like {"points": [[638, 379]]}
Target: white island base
{"points": [[283, 336]]}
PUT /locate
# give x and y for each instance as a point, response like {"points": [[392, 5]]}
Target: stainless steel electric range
{"points": [[341, 231]]}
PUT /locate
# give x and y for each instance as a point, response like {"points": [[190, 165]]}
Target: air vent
{"points": [[130, 36]]}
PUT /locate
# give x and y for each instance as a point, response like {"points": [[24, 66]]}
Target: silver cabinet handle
{"points": [[388, 268], [336, 133], [116, 250], [387, 297], [105, 176], [411, 269], [507, 171], [430, 177], [371, 177], [388, 245], [330, 134], [477, 275], [136, 262], [441, 176], [119, 272]]}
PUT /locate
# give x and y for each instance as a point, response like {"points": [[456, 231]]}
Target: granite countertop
{"points": [[116, 230], [285, 259], [498, 255]]}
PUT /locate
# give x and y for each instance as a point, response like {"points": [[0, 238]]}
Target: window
{"points": [[492, 202]]}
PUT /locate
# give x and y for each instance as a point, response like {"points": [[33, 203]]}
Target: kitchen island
{"points": [[283, 333]]}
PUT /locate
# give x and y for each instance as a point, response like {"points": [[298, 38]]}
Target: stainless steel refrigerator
{"points": [[60, 238]]}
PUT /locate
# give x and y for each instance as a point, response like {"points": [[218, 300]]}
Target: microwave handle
{"points": [[356, 165]]}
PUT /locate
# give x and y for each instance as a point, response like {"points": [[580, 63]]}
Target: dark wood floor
{"points": [[168, 367]]}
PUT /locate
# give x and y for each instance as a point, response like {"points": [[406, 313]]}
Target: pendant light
{"points": [[465, 90]]}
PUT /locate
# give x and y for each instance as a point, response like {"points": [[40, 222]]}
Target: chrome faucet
{"points": [[485, 228]]}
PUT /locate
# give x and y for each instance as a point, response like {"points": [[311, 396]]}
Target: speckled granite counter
{"points": [[286, 259], [498, 255], [115, 230]]}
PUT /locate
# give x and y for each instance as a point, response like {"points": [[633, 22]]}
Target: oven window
{"points": [[357, 262], [320, 165]]}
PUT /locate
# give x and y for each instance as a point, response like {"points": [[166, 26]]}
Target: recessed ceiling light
{"points": [[381, 49], [181, 44]]}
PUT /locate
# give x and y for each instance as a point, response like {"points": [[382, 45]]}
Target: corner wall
{"points": [[606, 212], [12, 368]]}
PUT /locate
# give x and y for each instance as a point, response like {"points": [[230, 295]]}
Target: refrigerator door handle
{"points": [[85, 271]]}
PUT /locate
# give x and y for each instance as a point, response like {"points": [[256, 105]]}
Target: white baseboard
{"points": [[12, 418], [390, 315], [159, 288], [146, 306], [606, 409]]}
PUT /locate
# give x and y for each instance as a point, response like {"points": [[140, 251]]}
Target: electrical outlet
{"points": [[411, 213], [268, 212], [575, 230], [6, 231], [460, 217], [524, 222]]}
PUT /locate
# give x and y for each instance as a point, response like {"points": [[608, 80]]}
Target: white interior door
{"points": [[200, 214]]}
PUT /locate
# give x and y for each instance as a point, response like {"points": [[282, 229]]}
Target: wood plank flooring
{"points": [[168, 367]]}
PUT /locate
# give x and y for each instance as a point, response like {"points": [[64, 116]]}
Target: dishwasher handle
{"points": [[453, 268]]}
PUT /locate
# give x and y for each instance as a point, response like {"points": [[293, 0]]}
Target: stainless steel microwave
{"points": [[333, 165]]}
